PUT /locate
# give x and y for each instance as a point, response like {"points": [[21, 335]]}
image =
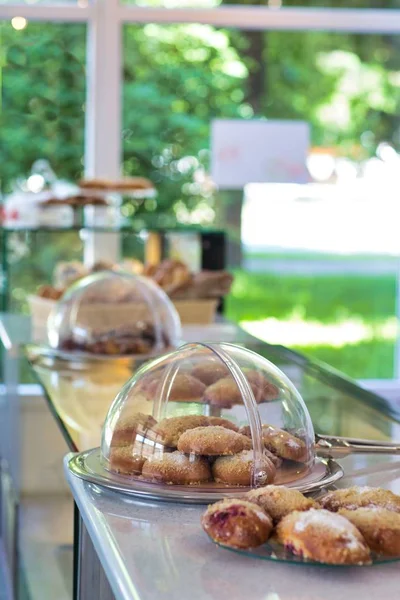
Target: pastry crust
{"points": [[237, 523], [238, 469], [184, 388], [267, 391], [127, 427], [278, 501], [210, 371], [176, 468], [212, 441], [357, 497], [124, 460], [220, 422], [127, 183], [324, 537], [225, 393], [171, 429], [379, 527], [281, 443]]}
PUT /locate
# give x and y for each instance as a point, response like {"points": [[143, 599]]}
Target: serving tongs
{"points": [[331, 446]]}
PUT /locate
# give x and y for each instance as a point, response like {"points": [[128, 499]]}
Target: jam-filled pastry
{"points": [[212, 441], [267, 391], [357, 497], [171, 429], [124, 460], [223, 423], [127, 427], [281, 443], [238, 469], [324, 537], [278, 501], [210, 371], [379, 527], [184, 388], [177, 468], [237, 523]]}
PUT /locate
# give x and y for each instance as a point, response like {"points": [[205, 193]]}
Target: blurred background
{"points": [[316, 265]]}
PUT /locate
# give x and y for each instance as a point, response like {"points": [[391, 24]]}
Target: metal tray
{"points": [[88, 466]]}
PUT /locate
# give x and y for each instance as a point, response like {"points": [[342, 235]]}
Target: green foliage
{"points": [[326, 298]]}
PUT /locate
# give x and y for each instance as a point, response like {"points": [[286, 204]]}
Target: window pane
{"points": [[43, 98], [42, 117], [320, 270]]}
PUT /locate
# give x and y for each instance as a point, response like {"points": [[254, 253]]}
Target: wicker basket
{"points": [[191, 312]]}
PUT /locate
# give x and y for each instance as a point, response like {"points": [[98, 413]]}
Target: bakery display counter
{"points": [[144, 550]]}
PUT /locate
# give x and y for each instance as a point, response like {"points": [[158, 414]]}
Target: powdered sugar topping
{"points": [[331, 521]]}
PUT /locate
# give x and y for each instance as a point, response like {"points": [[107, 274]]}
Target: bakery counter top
{"points": [[153, 550]]}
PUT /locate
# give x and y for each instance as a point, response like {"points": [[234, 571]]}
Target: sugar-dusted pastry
{"points": [[210, 371], [124, 460], [223, 423], [237, 523], [278, 501], [357, 497], [379, 527], [182, 388], [212, 441], [237, 469], [324, 537], [281, 443], [267, 390], [127, 427], [225, 393], [177, 468], [172, 428]]}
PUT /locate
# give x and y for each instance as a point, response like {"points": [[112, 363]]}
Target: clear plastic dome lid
{"points": [[209, 415], [114, 313]]}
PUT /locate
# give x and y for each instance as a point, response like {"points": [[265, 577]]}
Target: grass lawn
{"points": [[364, 304]]}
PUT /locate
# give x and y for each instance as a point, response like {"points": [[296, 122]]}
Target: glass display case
{"points": [[112, 313], [213, 415]]}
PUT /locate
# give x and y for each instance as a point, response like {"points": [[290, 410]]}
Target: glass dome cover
{"points": [[114, 313], [208, 415]]}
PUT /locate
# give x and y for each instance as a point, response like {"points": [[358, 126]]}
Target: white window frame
{"points": [[105, 19]]}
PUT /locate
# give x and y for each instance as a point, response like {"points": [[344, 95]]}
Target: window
{"points": [[186, 63]]}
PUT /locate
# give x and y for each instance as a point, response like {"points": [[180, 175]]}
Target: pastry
{"points": [[172, 428], [210, 371], [237, 469], [127, 183], [237, 523], [181, 388], [67, 273], [212, 441], [139, 338], [219, 421], [379, 527], [278, 501], [50, 292], [170, 275], [267, 390], [323, 536], [177, 468], [281, 443], [127, 427], [357, 497], [124, 460], [225, 393]]}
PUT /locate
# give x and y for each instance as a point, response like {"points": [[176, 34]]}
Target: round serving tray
{"points": [[275, 551], [88, 466], [76, 356]]}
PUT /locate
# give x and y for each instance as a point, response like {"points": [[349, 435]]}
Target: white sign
{"points": [[258, 151]]}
